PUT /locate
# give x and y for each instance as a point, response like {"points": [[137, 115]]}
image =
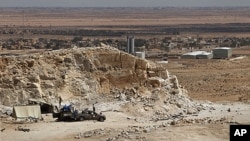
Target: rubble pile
{"points": [[85, 76], [24, 129], [140, 132], [115, 134], [5, 111]]}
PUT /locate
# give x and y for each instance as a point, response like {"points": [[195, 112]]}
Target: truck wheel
{"points": [[81, 118], [101, 119]]}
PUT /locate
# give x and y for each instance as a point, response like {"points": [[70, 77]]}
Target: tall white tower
{"points": [[131, 44]]}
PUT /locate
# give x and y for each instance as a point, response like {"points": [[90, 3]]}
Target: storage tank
{"points": [[131, 44], [140, 54]]}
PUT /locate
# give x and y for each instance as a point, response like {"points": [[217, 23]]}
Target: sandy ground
{"points": [[211, 124], [120, 16], [215, 79], [224, 82]]}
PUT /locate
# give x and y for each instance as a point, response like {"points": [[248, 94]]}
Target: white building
{"points": [[222, 52]]}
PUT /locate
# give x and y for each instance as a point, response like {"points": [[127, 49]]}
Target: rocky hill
{"points": [[84, 76]]}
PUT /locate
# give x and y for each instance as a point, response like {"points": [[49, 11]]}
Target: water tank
{"points": [[131, 44]]}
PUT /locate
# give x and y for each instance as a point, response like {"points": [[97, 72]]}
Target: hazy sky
{"points": [[123, 3]]}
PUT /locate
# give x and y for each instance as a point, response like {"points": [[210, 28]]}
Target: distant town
{"points": [[153, 47]]}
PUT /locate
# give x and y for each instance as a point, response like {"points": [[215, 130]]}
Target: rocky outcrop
{"points": [[74, 72], [89, 75]]}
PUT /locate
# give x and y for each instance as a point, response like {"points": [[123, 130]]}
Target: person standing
{"points": [[94, 107], [75, 113], [60, 101]]}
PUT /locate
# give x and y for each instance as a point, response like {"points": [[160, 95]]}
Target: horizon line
{"points": [[125, 7]]}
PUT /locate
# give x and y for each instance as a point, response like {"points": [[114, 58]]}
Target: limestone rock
{"points": [[128, 61], [83, 76]]}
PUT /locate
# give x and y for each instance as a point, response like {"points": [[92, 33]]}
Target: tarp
{"points": [[27, 111], [45, 107]]}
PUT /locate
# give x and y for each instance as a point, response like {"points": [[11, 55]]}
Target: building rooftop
{"points": [[223, 48], [205, 53], [197, 53]]}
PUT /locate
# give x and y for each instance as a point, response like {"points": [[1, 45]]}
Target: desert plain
{"points": [[220, 88]]}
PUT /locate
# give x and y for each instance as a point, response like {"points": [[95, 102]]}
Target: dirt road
{"points": [[211, 124]]}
